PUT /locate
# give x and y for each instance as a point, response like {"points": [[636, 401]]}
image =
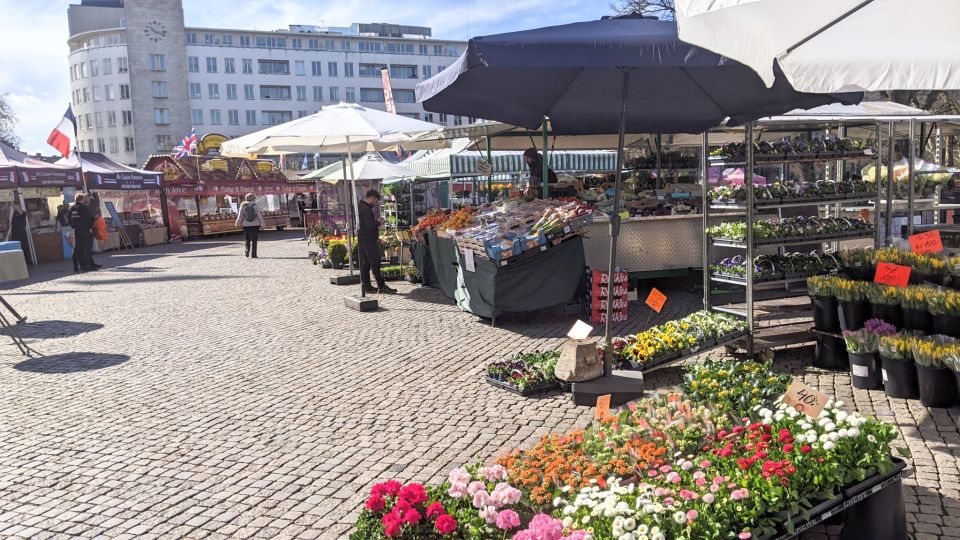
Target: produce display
{"points": [[793, 228], [790, 191], [430, 221], [676, 338], [526, 371], [776, 267], [457, 221], [794, 147], [724, 458]]}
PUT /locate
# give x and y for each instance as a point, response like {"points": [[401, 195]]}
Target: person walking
{"points": [[18, 231], [368, 235], [81, 219], [250, 218]]}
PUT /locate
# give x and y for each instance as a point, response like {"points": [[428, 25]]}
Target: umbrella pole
{"points": [[356, 212], [349, 220], [614, 227], [545, 180]]}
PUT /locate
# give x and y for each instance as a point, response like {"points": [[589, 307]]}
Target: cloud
{"points": [[34, 69]]}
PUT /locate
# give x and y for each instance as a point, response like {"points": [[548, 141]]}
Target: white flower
{"points": [[823, 421], [842, 432], [811, 435], [567, 522], [569, 510], [824, 438], [680, 518], [586, 519], [557, 501], [657, 536], [778, 417], [800, 438], [834, 436], [841, 416], [617, 530], [828, 445], [630, 524], [871, 438], [853, 432], [830, 426], [838, 404]]}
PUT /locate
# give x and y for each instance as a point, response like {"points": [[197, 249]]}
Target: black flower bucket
{"points": [[938, 386], [853, 315], [947, 325], [826, 318], [865, 371], [831, 353], [917, 319], [899, 378], [891, 313]]}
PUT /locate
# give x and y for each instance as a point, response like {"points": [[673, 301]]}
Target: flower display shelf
{"points": [[795, 240], [776, 159], [800, 201], [530, 391], [702, 347]]}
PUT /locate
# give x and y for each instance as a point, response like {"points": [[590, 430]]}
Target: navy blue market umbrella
{"points": [[599, 77]]}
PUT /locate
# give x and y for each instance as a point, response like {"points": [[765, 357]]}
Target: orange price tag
{"points": [[656, 299], [865, 214], [805, 399], [926, 242], [603, 407], [892, 274]]}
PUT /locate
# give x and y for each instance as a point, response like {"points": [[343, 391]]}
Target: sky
{"points": [[33, 35]]}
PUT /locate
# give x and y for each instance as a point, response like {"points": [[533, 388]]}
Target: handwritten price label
{"points": [[603, 407], [892, 274], [656, 299], [809, 401], [926, 242]]}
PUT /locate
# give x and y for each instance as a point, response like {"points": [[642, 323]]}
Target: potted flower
{"points": [[885, 303], [337, 252], [412, 274], [926, 268], [898, 371], [854, 308], [953, 271], [862, 347], [952, 361], [938, 386], [944, 306], [825, 315], [858, 264], [913, 304]]}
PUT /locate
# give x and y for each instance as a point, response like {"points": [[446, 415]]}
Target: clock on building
{"points": [[155, 31]]}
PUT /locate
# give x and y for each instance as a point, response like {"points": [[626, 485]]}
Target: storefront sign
{"points": [[926, 242], [31, 193], [6, 195], [656, 299], [264, 166], [484, 167], [892, 274], [601, 292], [805, 399], [209, 144], [50, 192]]}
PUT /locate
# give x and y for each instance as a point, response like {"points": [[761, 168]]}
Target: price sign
{"points": [[805, 399], [892, 274], [580, 330], [926, 242], [603, 407], [468, 260], [484, 167], [656, 299]]}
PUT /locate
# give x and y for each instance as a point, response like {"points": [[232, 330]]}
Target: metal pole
{"points": [[748, 180], [888, 219], [878, 241], [705, 166], [614, 226], [350, 224], [659, 183], [490, 176], [912, 155], [356, 213], [545, 181]]}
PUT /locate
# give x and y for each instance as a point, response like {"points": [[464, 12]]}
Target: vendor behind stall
{"points": [[534, 160]]}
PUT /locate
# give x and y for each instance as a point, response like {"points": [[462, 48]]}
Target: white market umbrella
{"points": [[827, 46], [370, 167]]}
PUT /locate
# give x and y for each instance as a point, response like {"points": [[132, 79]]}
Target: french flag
{"points": [[64, 136]]}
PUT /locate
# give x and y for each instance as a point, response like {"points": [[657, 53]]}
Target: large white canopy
{"points": [[370, 167], [826, 46]]}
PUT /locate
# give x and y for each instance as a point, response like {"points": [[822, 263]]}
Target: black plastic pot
{"points": [[853, 315], [899, 378], [947, 325], [863, 273], [826, 318], [881, 515], [938, 386], [865, 371], [831, 353], [917, 319], [892, 313]]}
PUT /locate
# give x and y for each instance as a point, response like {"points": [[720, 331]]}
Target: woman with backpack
{"points": [[251, 219]]}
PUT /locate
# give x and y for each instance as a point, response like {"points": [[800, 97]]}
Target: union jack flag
{"points": [[188, 145]]}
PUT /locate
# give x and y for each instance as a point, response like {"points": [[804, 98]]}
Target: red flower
{"points": [[738, 429], [765, 437], [386, 489], [722, 433], [435, 509], [790, 469], [784, 482], [788, 448], [445, 524], [412, 517], [413, 494], [375, 503], [805, 449], [391, 525]]}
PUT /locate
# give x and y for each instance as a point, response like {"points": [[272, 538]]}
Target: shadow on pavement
{"points": [[155, 279], [74, 362], [49, 329]]}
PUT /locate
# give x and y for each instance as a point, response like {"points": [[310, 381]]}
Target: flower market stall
{"points": [[203, 193]]}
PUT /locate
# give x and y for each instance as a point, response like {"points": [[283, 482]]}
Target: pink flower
{"points": [[692, 515], [391, 525], [457, 491], [708, 498], [489, 514], [686, 465], [474, 487], [699, 475], [375, 503], [413, 493], [496, 473], [505, 495], [745, 535], [508, 519], [665, 468], [412, 517], [705, 463], [701, 482], [687, 494], [459, 476], [660, 492], [718, 480], [673, 478], [668, 500], [481, 499], [435, 509], [445, 524], [652, 473], [714, 488]]}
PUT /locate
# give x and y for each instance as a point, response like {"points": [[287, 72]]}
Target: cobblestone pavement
{"points": [[188, 392]]}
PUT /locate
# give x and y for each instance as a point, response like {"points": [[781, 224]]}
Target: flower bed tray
{"points": [[540, 389], [699, 349]]}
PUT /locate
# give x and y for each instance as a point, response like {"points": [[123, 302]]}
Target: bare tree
{"points": [[661, 9], [8, 123]]}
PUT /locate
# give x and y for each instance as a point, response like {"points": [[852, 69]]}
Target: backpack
{"points": [[250, 213]]}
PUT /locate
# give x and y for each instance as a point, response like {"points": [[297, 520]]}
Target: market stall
{"points": [[204, 192]]}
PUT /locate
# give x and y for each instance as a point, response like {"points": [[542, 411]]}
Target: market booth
{"points": [[204, 193]]}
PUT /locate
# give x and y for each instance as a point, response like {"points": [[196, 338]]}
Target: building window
{"points": [[193, 64], [90, 146], [114, 147], [427, 72], [108, 93], [313, 43], [164, 143], [443, 119], [458, 120], [247, 66], [251, 118], [122, 66], [439, 69], [350, 94], [208, 39], [300, 67], [228, 40], [301, 114], [161, 117], [270, 42], [334, 94], [86, 93], [191, 38], [329, 45], [404, 96], [301, 93], [215, 117], [124, 92], [159, 89], [84, 73], [195, 90], [438, 50], [272, 118], [318, 93], [107, 66], [344, 45], [332, 69], [196, 116], [158, 62], [229, 66], [213, 91], [233, 117], [97, 94], [77, 96], [428, 117], [111, 118], [274, 92], [87, 121], [94, 68], [371, 95], [211, 64], [126, 118], [368, 46], [248, 92], [400, 48], [348, 69], [415, 116], [315, 68], [244, 41], [371, 70], [98, 119], [274, 67], [231, 91], [296, 43], [453, 51], [423, 49], [403, 72], [128, 144]]}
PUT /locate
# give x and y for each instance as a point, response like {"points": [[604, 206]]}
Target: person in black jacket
{"points": [[368, 235], [81, 219], [534, 160]]}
